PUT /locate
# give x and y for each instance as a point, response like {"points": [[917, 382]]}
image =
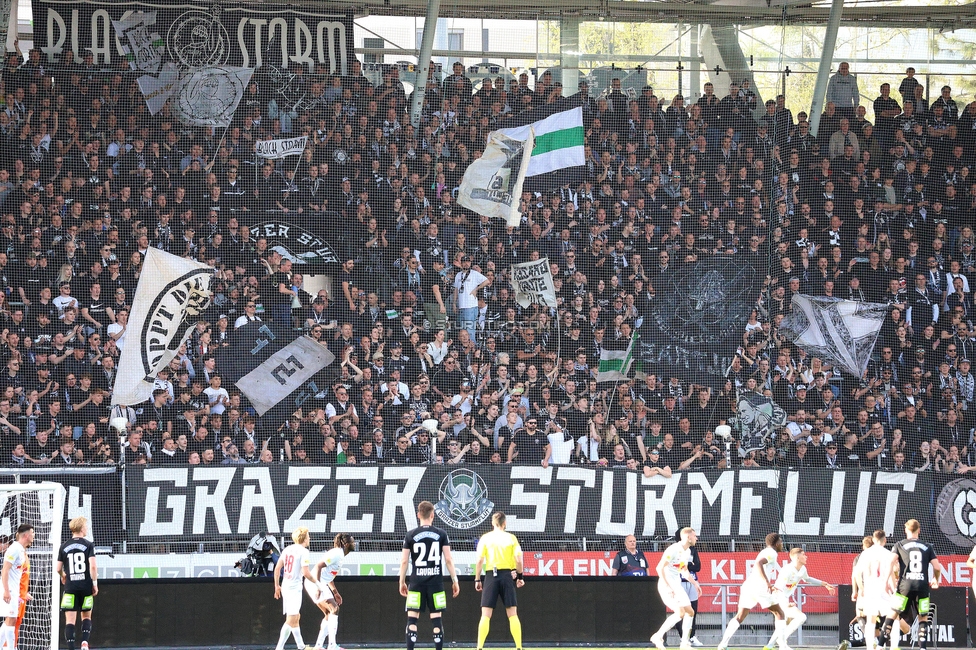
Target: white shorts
{"points": [[752, 595], [673, 600], [318, 593], [875, 604], [291, 601], [11, 609]]}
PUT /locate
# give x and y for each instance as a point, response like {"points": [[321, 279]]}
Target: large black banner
{"points": [[207, 503], [699, 315], [92, 492], [201, 35]]}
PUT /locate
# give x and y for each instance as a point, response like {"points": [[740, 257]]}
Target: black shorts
{"points": [[80, 602], [501, 585], [429, 597], [912, 593]]}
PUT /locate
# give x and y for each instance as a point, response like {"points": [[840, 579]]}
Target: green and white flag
{"points": [[615, 364], [558, 140]]}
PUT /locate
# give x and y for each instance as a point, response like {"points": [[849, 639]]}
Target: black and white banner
{"points": [[532, 283], [277, 149], [91, 492], [171, 295], [199, 503], [296, 244], [699, 314], [201, 35]]}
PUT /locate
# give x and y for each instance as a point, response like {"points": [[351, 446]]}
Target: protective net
{"points": [[41, 506]]}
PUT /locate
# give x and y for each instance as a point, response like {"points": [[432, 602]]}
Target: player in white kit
{"points": [[289, 573], [873, 587], [758, 590], [672, 567], [324, 593], [15, 577], [786, 582]]}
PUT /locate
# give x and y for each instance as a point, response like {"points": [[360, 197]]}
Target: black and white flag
{"points": [[840, 332], [492, 185], [172, 294], [757, 417]]}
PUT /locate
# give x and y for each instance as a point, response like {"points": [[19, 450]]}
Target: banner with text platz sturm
{"points": [[171, 295]]}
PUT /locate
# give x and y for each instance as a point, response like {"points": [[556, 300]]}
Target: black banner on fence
{"points": [[207, 503], [201, 35], [92, 492]]}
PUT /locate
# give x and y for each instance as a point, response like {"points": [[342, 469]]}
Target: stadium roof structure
{"points": [[866, 13]]}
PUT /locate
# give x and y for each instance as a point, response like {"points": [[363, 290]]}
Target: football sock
{"points": [[730, 629], [483, 626], [411, 634], [779, 629], [69, 636], [895, 637], [283, 636], [515, 626], [296, 633], [323, 630], [333, 628], [86, 626], [870, 625], [438, 635], [686, 622]]}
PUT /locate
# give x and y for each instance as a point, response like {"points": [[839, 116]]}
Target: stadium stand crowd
{"points": [[877, 211]]}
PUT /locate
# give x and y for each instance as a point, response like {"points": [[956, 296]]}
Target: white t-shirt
{"points": [[874, 565], [16, 555], [214, 394], [114, 329], [676, 558], [293, 559], [333, 560], [471, 280], [789, 577], [755, 579], [562, 449]]}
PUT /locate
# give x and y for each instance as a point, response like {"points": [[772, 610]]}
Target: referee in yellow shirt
{"points": [[500, 555]]}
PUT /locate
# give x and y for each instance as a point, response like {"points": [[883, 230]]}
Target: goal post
{"points": [[42, 506]]}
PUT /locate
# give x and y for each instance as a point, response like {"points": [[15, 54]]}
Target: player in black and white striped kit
{"points": [[428, 550], [79, 575]]}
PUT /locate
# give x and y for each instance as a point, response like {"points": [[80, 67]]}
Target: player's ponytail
{"points": [[344, 541]]}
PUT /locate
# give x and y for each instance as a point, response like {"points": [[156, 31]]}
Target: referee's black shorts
{"points": [[498, 585]]}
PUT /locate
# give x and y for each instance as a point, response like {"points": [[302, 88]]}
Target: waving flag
{"points": [[172, 294], [615, 364], [840, 332], [558, 136], [209, 96], [492, 184]]}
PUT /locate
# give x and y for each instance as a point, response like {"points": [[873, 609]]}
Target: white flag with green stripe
{"points": [[615, 364], [558, 141]]}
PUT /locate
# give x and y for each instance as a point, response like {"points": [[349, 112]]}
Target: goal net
{"points": [[42, 506]]}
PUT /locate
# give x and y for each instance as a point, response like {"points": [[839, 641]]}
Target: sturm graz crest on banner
{"points": [[463, 500], [197, 39], [699, 315], [173, 311], [955, 512]]}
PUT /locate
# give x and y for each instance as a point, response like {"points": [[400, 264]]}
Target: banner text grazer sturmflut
{"points": [[209, 503]]}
